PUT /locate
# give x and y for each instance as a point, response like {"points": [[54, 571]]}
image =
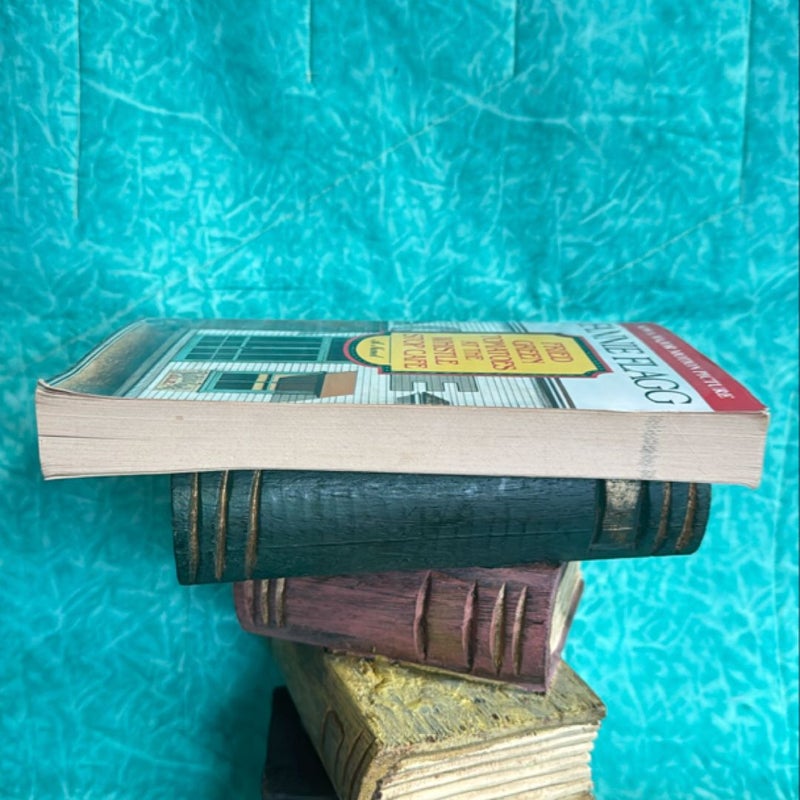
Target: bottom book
{"points": [[386, 731], [292, 770]]}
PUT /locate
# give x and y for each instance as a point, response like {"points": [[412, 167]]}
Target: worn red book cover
{"points": [[501, 624]]}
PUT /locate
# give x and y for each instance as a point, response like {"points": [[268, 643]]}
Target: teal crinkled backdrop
{"points": [[407, 159]]}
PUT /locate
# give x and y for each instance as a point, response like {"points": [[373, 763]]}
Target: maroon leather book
{"points": [[506, 624]]}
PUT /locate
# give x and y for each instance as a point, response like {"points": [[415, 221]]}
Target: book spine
{"points": [[492, 624], [240, 525], [114, 365]]}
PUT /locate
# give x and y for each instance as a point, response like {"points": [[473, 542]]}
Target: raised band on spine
{"points": [[221, 540], [420, 620], [194, 527], [254, 508]]}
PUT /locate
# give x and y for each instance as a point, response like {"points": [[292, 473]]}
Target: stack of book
{"points": [[426, 682], [402, 509]]}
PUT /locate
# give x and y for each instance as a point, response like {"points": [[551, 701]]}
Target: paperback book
{"points": [[592, 400]]}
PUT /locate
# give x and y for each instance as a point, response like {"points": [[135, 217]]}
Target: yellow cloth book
{"points": [[389, 731]]}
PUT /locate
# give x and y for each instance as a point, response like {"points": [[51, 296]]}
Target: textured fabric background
{"points": [[406, 159]]}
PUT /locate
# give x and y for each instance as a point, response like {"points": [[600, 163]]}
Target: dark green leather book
{"points": [[232, 526]]}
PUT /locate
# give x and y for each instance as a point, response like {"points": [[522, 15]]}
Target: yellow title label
{"points": [[478, 353]]}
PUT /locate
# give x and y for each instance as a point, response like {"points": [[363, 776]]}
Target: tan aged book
{"points": [[558, 400], [390, 731]]}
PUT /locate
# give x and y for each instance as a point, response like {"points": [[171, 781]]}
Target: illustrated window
{"points": [[236, 382], [245, 347]]}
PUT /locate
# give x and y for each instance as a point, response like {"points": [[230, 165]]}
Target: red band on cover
{"points": [[712, 383]]}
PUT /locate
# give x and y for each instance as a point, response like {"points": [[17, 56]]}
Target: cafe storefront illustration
{"points": [[418, 363]]}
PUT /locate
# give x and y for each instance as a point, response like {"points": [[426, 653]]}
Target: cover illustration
{"points": [[603, 366]]}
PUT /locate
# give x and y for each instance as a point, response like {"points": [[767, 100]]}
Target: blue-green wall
{"points": [[482, 159]]}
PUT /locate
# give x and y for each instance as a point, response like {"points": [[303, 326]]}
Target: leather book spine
{"points": [[487, 623], [241, 525]]}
